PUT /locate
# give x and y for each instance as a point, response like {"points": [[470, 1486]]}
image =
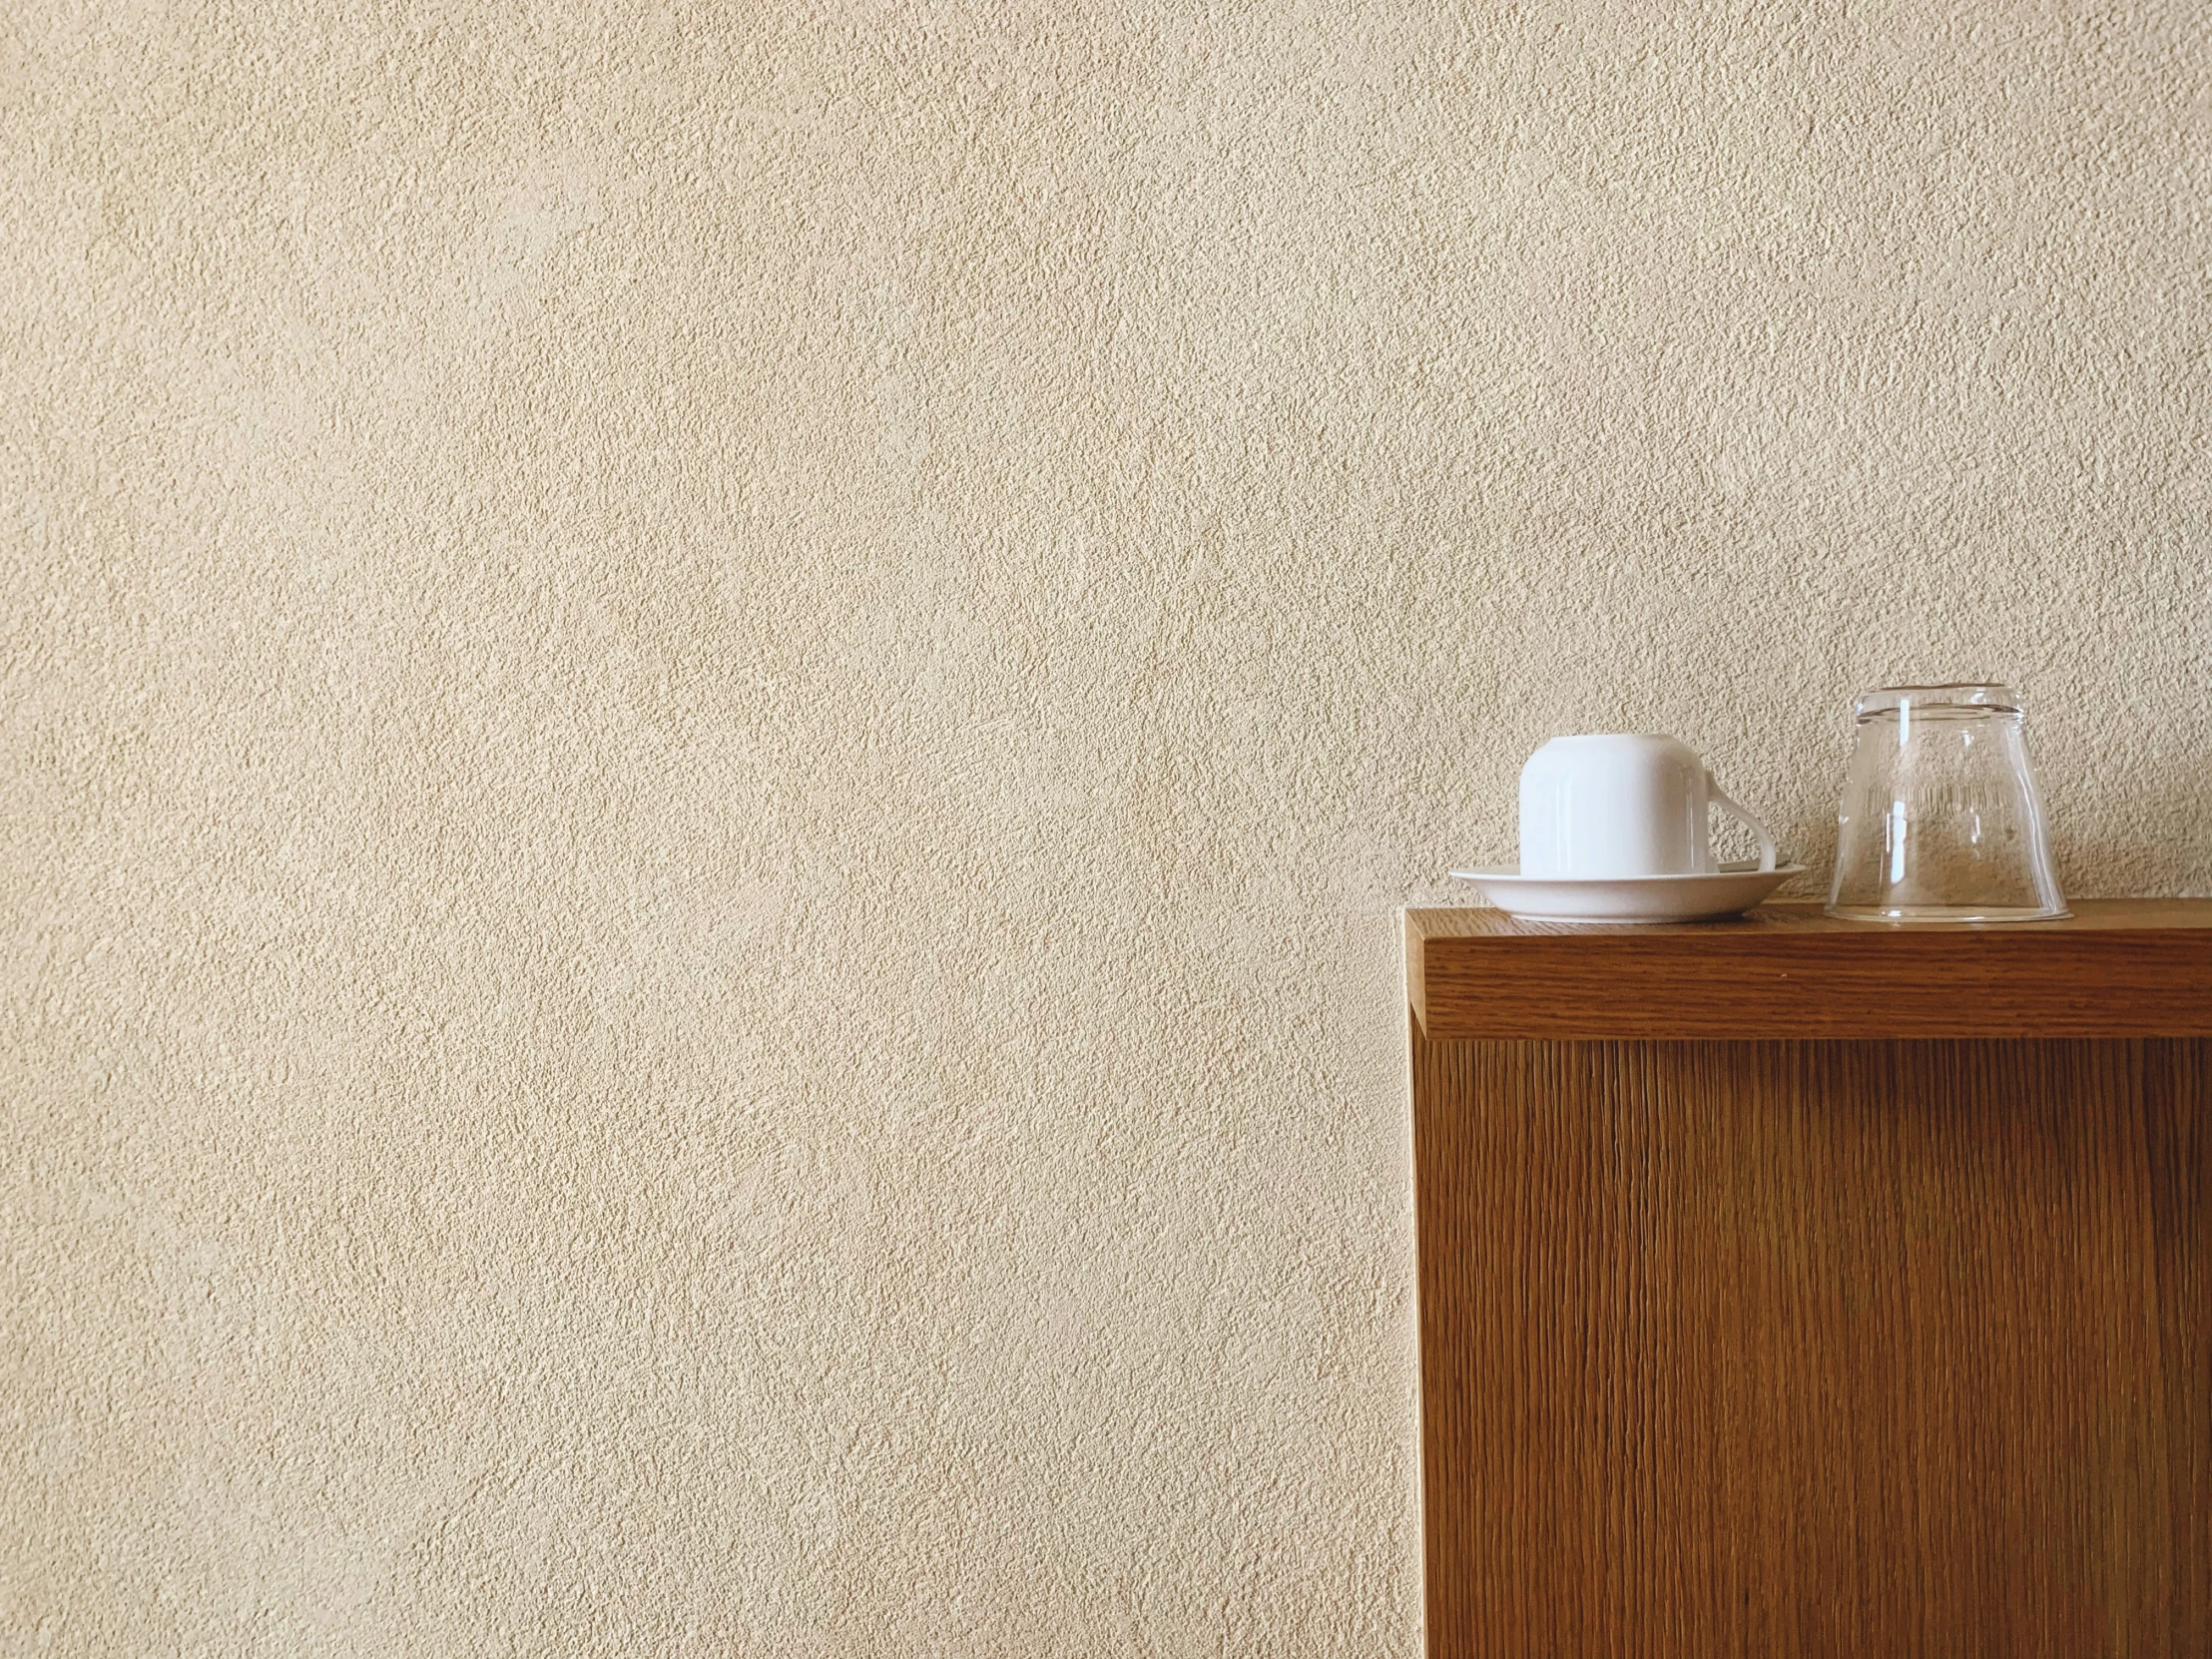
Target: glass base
{"points": [[1906, 914]]}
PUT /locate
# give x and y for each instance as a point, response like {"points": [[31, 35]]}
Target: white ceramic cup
{"points": [[1611, 805]]}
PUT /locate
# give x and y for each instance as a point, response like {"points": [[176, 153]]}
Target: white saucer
{"points": [[1727, 892]]}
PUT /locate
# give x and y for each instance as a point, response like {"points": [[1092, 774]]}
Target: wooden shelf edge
{"points": [[2127, 967]]}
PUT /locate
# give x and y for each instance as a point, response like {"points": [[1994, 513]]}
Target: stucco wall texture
{"points": [[712, 716]]}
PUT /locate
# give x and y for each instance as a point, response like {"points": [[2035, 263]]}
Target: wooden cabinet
{"points": [[1789, 1287]]}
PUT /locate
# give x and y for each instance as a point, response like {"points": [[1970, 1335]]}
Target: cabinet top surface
{"points": [[2096, 915], [2117, 967]]}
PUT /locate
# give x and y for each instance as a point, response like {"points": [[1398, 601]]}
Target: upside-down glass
{"points": [[1940, 819]]}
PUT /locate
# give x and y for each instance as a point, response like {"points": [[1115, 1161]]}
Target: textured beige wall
{"points": [[710, 718]]}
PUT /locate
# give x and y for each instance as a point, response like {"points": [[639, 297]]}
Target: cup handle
{"points": [[1766, 835]]}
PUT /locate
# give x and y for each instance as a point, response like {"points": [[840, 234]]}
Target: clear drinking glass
{"points": [[1940, 819]]}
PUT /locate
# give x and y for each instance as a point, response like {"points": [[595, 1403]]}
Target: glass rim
{"points": [[1984, 696]]}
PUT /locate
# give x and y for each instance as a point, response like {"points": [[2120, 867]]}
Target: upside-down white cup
{"points": [[1603, 807]]}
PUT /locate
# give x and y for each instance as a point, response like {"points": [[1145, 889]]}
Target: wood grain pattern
{"points": [[2117, 968], [1787, 1348]]}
